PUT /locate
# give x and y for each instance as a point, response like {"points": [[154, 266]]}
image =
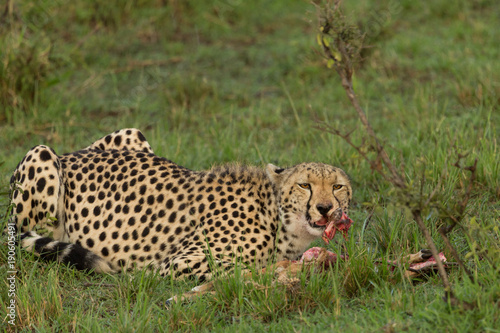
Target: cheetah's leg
{"points": [[197, 265], [193, 293], [200, 265], [37, 193], [281, 269], [125, 139]]}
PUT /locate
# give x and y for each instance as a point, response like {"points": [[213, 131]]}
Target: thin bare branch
{"points": [[338, 43], [435, 253]]}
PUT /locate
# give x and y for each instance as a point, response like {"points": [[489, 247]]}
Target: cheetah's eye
{"points": [[337, 187], [305, 185]]}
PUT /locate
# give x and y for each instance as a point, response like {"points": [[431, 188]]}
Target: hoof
{"points": [[425, 254]]}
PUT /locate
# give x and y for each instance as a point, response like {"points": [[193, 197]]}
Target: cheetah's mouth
{"points": [[321, 223], [338, 221]]}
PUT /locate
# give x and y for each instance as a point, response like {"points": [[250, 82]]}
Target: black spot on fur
{"points": [[141, 137], [40, 184], [118, 140], [44, 155]]}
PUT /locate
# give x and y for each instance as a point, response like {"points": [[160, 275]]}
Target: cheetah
{"points": [[115, 205]]}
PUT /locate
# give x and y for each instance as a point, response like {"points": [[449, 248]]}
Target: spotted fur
{"points": [[115, 204]]}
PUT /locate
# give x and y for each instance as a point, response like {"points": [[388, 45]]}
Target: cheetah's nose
{"points": [[323, 209]]}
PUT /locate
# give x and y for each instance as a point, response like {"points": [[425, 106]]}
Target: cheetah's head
{"points": [[309, 194]]}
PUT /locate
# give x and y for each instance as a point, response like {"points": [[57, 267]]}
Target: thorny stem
{"points": [[396, 178], [343, 67]]}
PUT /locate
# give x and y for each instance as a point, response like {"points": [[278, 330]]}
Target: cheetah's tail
{"points": [[67, 253]]}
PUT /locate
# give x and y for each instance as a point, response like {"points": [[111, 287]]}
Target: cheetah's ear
{"points": [[274, 173]]}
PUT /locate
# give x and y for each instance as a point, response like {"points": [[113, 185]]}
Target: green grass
{"points": [[240, 81]]}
